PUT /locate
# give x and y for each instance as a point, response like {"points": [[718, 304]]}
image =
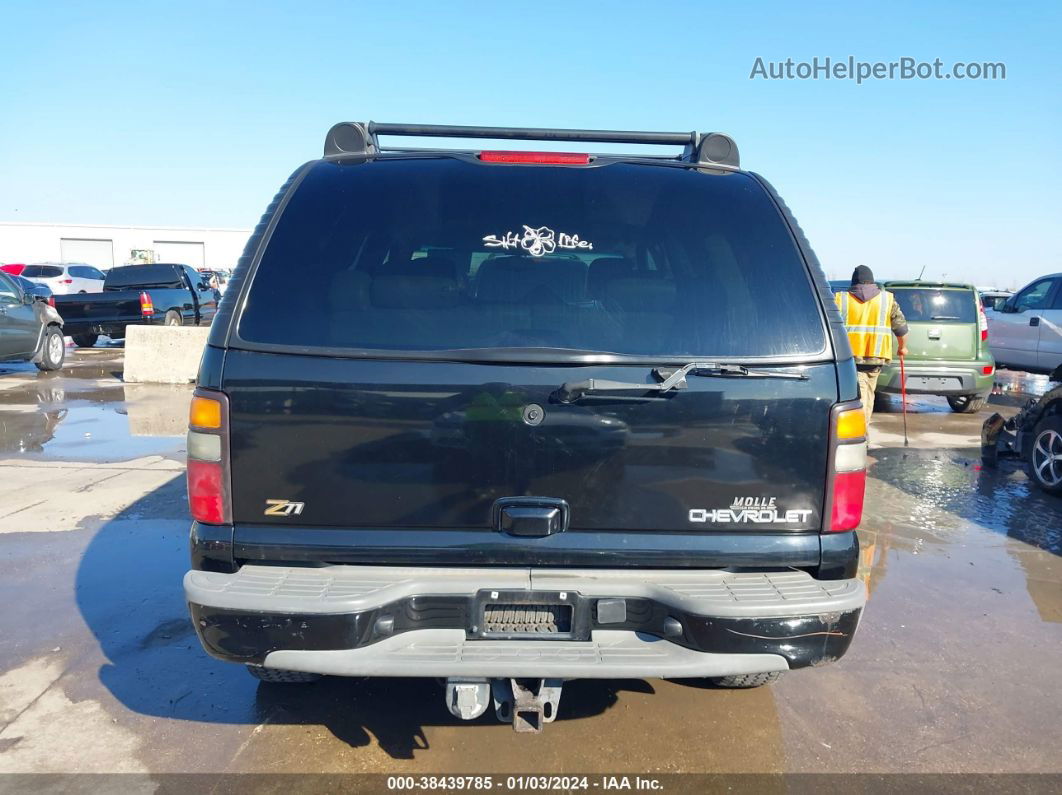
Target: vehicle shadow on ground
{"points": [[1000, 499], [129, 593]]}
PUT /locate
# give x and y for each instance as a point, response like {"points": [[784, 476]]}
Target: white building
{"points": [[106, 246]]}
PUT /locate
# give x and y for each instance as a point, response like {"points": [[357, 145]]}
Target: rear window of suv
{"points": [[444, 254], [42, 271], [926, 305]]}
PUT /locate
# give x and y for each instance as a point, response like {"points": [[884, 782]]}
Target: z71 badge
{"points": [[752, 510], [283, 508]]}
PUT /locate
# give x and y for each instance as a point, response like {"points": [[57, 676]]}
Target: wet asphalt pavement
{"points": [[955, 667]]}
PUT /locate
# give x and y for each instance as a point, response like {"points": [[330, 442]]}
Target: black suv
{"points": [[512, 418]]}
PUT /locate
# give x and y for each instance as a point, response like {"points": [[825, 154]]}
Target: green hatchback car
{"points": [[947, 345]]}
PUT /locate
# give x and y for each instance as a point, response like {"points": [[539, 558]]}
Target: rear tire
{"points": [[279, 675], [173, 318], [967, 404], [85, 340], [743, 681], [1044, 462], [53, 350]]}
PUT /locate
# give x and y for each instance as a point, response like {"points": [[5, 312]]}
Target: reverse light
{"points": [[147, 308], [208, 464], [848, 467], [541, 158]]}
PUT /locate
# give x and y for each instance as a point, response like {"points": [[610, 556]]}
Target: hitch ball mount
{"points": [[528, 704]]}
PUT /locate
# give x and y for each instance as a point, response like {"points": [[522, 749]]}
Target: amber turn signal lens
{"points": [[851, 424], [205, 413]]}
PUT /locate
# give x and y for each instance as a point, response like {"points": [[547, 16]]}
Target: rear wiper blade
{"points": [[669, 379]]}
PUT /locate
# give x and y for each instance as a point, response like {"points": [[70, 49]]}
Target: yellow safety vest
{"points": [[868, 324]]}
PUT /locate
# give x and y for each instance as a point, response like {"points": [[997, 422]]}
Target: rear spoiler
{"points": [[358, 139]]}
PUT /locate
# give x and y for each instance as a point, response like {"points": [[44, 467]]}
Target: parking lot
{"points": [[955, 667]]}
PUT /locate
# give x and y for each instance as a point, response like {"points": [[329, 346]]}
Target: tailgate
{"points": [[942, 341], [377, 444], [103, 307]]}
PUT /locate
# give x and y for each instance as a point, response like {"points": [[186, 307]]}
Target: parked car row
{"points": [[34, 319], [957, 338]]}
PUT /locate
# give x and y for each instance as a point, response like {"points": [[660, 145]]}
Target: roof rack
{"points": [[353, 138]]}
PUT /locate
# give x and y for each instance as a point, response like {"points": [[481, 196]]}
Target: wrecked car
{"points": [[1033, 436]]}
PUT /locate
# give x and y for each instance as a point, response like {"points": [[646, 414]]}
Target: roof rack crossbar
{"points": [[533, 134], [362, 138]]}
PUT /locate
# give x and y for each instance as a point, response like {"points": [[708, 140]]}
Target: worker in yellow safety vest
{"points": [[871, 316]]}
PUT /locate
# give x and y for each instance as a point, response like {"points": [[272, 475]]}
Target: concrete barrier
{"points": [[163, 354]]}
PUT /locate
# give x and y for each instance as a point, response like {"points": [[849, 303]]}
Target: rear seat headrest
{"points": [[432, 265], [603, 270], [512, 280], [414, 292], [350, 290], [641, 294]]}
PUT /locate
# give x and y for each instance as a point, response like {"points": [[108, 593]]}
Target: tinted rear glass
{"points": [[85, 272], [446, 254], [42, 271], [144, 276], [926, 305]]}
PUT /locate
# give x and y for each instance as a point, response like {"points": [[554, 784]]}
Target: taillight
{"points": [[848, 466], [988, 369], [208, 463], [542, 158], [66, 281], [51, 301], [848, 491], [147, 308], [982, 323]]}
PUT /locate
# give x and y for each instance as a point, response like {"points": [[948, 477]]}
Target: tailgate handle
{"points": [[530, 516]]}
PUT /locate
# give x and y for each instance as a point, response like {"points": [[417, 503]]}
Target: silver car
{"points": [[30, 329], [65, 278], [1025, 331]]}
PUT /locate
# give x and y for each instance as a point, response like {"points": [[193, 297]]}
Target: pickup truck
{"points": [[159, 294], [1026, 329], [542, 423]]}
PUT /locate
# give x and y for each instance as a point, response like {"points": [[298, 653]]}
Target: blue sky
{"points": [[191, 114]]}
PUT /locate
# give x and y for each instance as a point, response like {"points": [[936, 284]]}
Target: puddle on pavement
{"points": [[79, 419], [945, 502]]}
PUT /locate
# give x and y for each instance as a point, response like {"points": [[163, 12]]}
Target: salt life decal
{"points": [[757, 510], [537, 242]]}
